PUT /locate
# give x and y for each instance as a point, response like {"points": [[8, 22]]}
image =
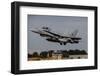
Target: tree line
{"points": [[65, 53]]}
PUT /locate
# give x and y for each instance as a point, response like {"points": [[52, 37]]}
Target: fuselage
{"points": [[54, 37]]}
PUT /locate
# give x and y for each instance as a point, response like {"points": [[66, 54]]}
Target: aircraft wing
{"points": [[76, 38]]}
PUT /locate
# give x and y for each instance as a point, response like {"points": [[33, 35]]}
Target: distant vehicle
{"points": [[55, 37]]}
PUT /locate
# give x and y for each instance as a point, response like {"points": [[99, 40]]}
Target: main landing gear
{"points": [[63, 43]]}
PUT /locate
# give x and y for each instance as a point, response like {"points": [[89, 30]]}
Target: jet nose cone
{"points": [[34, 30]]}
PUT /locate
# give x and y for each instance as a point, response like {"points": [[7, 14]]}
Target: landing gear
{"points": [[64, 43], [60, 43]]}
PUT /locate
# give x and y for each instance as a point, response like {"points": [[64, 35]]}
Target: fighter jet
{"points": [[58, 38]]}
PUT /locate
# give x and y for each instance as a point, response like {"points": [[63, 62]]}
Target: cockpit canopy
{"points": [[46, 28]]}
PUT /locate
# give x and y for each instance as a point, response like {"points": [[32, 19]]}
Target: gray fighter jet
{"points": [[58, 38]]}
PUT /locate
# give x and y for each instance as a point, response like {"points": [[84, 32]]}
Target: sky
{"points": [[59, 24]]}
